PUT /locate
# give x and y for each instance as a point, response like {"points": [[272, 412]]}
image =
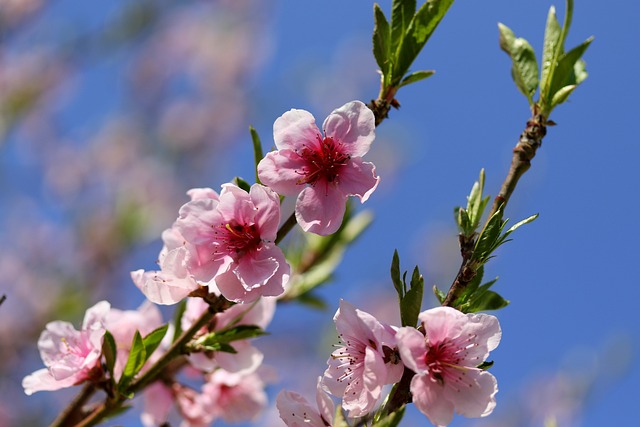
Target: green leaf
{"points": [[177, 319], [402, 12], [381, 39], [519, 224], [552, 42], [463, 221], [391, 420], [110, 351], [135, 362], [439, 294], [312, 300], [524, 68], [395, 275], [488, 238], [416, 76], [412, 302], [257, 149], [242, 183], [153, 340], [476, 204], [485, 365], [484, 301], [420, 29], [564, 73], [471, 288], [562, 95]]}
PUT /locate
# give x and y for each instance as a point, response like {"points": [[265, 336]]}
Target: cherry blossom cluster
{"points": [[223, 247], [443, 356]]}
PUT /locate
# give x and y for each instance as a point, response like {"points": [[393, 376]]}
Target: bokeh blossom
{"points": [[322, 170], [296, 411], [70, 356], [246, 358], [367, 361], [446, 359]]}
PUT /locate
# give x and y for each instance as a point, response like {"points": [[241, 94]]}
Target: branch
{"points": [[524, 151]]}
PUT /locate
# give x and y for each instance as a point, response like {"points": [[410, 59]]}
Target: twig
{"points": [[524, 151], [73, 412]]}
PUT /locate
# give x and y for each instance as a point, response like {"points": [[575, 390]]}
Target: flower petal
{"points": [[279, 170], [429, 398], [412, 347], [320, 209], [353, 125], [267, 207], [296, 411], [295, 128], [358, 178], [477, 397]]}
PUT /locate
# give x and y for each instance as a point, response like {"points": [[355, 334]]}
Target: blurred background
{"points": [[111, 111]]}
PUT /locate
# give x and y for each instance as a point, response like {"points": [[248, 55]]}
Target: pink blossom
{"points": [[70, 356], [182, 265], [233, 239], [158, 401], [322, 171], [296, 411], [247, 358], [235, 397], [445, 361], [123, 325], [367, 361]]}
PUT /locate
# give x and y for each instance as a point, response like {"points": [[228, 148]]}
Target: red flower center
{"points": [[323, 161], [236, 239]]}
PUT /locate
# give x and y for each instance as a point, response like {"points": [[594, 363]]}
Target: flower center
{"points": [[236, 239], [322, 161]]}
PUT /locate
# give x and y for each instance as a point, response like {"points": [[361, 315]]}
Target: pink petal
{"points": [[325, 404], [246, 360], [477, 399], [95, 316], [442, 323], [320, 209], [162, 288], [360, 397], [295, 128], [202, 193], [279, 170], [42, 380], [267, 215], [195, 220], [353, 125], [255, 269], [158, 401], [235, 204], [429, 399], [296, 411], [358, 178], [412, 347], [332, 375]]}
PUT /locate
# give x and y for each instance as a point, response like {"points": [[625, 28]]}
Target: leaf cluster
{"points": [[397, 43], [410, 298], [141, 351], [561, 71]]}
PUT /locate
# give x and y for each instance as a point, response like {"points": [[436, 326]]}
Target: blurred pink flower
{"points": [[322, 171], [445, 361], [71, 356], [296, 411], [367, 361], [123, 325], [247, 358], [235, 397], [233, 237]]}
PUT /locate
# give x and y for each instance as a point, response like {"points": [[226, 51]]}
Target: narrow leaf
{"points": [[519, 224], [153, 340], [137, 357], [562, 95], [381, 39], [402, 12], [488, 238], [416, 77], [524, 68], [564, 74], [420, 28], [312, 300], [257, 149], [488, 300], [242, 183], [395, 275], [439, 294], [485, 365], [177, 319], [110, 351], [412, 301], [552, 35], [391, 420]]}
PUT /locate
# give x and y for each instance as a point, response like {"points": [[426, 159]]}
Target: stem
{"points": [[525, 150], [399, 396], [176, 349], [286, 228], [73, 412], [383, 104]]}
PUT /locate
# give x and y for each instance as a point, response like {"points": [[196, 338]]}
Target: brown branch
{"points": [[525, 150]]}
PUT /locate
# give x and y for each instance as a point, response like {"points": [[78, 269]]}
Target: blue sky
{"points": [[570, 276]]}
